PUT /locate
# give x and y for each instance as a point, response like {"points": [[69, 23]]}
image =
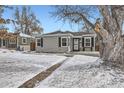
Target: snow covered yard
{"points": [[17, 67], [84, 71]]}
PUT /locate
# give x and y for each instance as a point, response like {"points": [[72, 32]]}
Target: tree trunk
{"points": [[111, 50], [111, 47]]}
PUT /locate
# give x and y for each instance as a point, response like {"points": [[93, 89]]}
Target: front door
{"points": [[76, 44], [32, 46]]}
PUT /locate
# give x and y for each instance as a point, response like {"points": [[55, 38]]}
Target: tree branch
{"points": [[81, 16]]}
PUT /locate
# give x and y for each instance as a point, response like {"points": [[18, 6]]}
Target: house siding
{"points": [[26, 46], [20, 41], [7, 44], [92, 48], [51, 44]]}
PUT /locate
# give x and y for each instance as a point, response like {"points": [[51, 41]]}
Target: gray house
{"points": [[65, 42]]}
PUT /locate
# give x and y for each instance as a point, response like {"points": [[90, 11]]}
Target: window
{"points": [[40, 42], [24, 40], [12, 41], [87, 42], [64, 41]]}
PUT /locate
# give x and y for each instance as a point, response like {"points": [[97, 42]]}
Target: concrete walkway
{"points": [[41, 76]]}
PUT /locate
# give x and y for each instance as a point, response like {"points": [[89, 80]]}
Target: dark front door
{"points": [[32, 45], [76, 44]]}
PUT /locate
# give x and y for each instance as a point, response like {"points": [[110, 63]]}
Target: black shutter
{"points": [[83, 42], [92, 41], [41, 42], [59, 41]]}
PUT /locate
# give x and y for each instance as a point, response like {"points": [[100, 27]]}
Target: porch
{"points": [[6, 43]]}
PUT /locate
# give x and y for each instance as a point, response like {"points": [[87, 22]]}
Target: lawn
{"points": [[85, 72], [17, 67]]}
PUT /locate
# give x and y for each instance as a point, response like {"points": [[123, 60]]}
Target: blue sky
{"points": [[48, 23]]}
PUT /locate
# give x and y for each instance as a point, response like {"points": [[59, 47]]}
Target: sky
{"points": [[48, 23]]}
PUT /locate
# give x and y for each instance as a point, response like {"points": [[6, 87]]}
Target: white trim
{"points": [[56, 35], [94, 43], [89, 35], [68, 34], [69, 46], [86, 42], [36, 42], [77, 37], [25, 40], [66, 41], [25, 35]]}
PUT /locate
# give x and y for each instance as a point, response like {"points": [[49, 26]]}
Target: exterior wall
{"points": [[24, 46], [92, 48], [88, 49], [2, 46], [12, 45], [71, 44], [84, 48], [21, 43], [18, 44], [8, 44], [51, 44]]}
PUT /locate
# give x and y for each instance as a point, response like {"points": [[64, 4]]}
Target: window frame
{"points": [[39, 42], [62, 41], [11, 42], [25, 40], [85, 42]]}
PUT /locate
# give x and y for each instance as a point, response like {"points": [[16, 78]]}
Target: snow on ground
{"points": [[84, 71], [17, 67]]}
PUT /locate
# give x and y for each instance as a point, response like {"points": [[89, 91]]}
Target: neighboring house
{"points": [[65, 42], [18, 41], [24, 42], [8, 40]]}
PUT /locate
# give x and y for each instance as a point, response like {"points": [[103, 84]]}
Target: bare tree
{"points": [[26, 21], [3, 21], [107, 23]]}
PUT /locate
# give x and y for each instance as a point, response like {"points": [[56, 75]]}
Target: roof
{"points": [[69, 32], [80, 33], [25, 35]]}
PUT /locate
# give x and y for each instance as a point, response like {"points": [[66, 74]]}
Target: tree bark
{"points": [[111, 49]]}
